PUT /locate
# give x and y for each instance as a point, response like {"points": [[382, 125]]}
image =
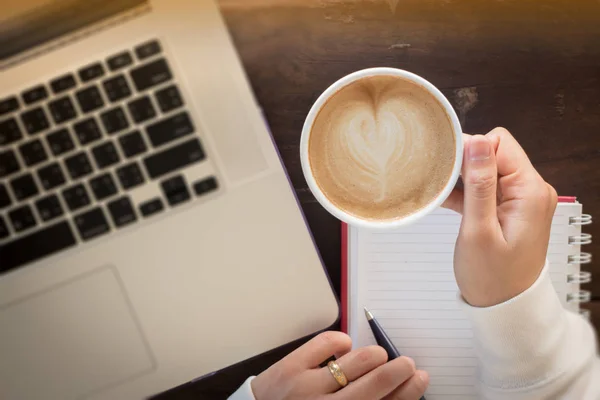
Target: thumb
{"points": [[480, 176]]}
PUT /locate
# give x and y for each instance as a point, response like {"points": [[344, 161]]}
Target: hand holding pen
{"points": [[384, 341], [360, 373]]}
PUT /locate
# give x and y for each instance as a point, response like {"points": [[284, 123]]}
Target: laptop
{"points": [[148, 232]]}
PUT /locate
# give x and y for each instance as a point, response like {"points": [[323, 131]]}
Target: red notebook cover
{"points": [[344, 277], [344, 266]]}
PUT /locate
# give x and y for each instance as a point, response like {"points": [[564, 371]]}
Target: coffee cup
{"points": [[381, 148]]}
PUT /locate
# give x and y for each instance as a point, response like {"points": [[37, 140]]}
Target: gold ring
{"points": [[337, 373]]}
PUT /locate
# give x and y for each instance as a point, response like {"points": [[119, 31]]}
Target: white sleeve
{"points": [[530, 347], [244, 392]]}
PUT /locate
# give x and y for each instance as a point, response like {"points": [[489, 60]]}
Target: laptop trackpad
{"points": [[70, 340]]}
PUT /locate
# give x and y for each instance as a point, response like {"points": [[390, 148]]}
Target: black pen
{"points": [[382, 338]]}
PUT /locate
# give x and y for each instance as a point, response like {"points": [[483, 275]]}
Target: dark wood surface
{"points": [[532, 66]]}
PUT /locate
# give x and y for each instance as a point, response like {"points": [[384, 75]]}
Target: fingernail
{"points": [[479, 148]]}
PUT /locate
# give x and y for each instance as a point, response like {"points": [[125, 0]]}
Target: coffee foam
{"points": [[381, 148]]}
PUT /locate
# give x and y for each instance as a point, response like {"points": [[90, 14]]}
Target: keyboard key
{"points": [[87, 131], [62, 110], [51, 176], [8, 163], [62, 83], [60, 142], [89, 99], [103, 186], [78, 165], [169, 99], [119, 61], [132, 144], [114, 120], [5, 200], [141, 109], [35, 120], [90, 72], [130, 176], [34, 94], [22, 219], [151, 207], [49, 208], [3, 233], [92, 223], [117, 88], [9, 131], [105, 155], [205, 186], [175, 190], [170, 129], [76, 197], [151, 74], [121, 211], [33, 152], [147, 49], [36, 246], [24, 187], [8, 104], [172, 159]]}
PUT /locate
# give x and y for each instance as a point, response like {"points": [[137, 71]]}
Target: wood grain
{"points": [[530, 66]]}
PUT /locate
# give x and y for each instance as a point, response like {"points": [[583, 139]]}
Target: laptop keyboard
{"points": [[72, 149]]}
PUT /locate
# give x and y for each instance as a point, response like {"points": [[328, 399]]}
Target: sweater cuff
{"points": [[244, 392], [520, 338]]}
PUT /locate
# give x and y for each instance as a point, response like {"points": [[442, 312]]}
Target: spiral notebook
{"points": [[405, 277]]}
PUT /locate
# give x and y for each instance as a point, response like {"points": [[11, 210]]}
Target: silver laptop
{"points": [[148, 232]]}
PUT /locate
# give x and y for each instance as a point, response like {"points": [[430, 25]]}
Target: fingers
{"points": [[480, 176], [511, 157], [518, 177], [412, 389], [354, 365], [319, 349], [379, 382]]}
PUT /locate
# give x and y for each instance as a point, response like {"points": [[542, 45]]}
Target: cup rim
{"points": [[383, 224]]}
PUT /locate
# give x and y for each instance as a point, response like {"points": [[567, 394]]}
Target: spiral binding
{"points": [[585, 313], [580, 258], [584, 238], [580, 296], [585, 219], [580, 277]]}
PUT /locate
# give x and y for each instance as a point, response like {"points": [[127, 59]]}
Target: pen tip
{"points": [[368, 314]]}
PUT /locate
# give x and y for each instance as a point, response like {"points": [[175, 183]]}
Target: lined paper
{"points": [[405, 277]]}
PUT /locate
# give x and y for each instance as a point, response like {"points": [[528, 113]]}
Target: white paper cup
{"points": [[390, 223]]}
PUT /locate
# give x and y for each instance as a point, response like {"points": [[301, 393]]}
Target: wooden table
{"points": [[532, 66]]}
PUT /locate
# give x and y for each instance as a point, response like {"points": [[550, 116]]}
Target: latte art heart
{"points": [[375, 143], [381, 148]]}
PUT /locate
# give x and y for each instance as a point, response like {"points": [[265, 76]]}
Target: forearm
{"points": [[530, 347]]}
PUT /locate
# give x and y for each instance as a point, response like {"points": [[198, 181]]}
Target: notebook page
{"points": [[405, 277]]}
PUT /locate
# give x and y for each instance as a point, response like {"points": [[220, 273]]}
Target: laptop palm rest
{"points": [[46, 354]]}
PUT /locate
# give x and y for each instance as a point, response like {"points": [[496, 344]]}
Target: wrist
{"points": [[499, 289]]}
